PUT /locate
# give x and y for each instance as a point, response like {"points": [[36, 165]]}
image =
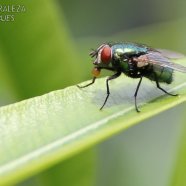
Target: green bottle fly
{"points": [[135, 61]]}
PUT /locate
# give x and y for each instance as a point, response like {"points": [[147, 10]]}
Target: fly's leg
{"points": [[93, 80], [96, 70], [107, 84], [158, 86], [136, 93]]}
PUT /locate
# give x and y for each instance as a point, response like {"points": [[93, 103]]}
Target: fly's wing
{"points": [[157, 58], [170, 54]]}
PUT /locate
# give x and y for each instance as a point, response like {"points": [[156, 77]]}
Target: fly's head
{"points": [[103, 57]]}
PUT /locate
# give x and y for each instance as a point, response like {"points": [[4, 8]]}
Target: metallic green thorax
{"points": [[128, 49], [123, 52]]}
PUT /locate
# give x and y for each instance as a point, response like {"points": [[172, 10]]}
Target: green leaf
{"points": [[78, 170], [41, 131], [179, 168]]}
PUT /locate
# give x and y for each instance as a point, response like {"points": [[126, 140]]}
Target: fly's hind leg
{"points": [[158, 86]]}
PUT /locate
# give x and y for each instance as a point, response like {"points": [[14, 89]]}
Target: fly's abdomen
{"points": [[163, 74]]}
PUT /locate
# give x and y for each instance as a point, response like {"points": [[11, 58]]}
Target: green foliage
{"points": [[178, 173], [36, 48], [42, 136], [78, 170], [36, 56]]}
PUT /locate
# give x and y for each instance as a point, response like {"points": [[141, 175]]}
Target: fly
{"points": [[135, 61]]}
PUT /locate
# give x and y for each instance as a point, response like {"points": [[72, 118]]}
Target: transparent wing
{"points": [[157, 58], [170, 54]]}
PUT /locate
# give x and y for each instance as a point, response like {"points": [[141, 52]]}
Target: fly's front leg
{"points": [[107, 84], [93, 80], [96, 72]]}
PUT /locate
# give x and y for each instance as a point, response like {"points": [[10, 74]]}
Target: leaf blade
{"points": [[39, 132]]}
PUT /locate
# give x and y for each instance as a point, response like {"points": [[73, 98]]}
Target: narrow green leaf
{"points": [[78, 170], [179, 168], [39, 132]]}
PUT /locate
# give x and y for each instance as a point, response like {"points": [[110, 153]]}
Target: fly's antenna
{"points": [[93, 53]]}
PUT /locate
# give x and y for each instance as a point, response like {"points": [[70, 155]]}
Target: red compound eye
{"points": [[106, 54]]}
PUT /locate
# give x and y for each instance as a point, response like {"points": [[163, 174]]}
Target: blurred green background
{"points": [[46, 48]]}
